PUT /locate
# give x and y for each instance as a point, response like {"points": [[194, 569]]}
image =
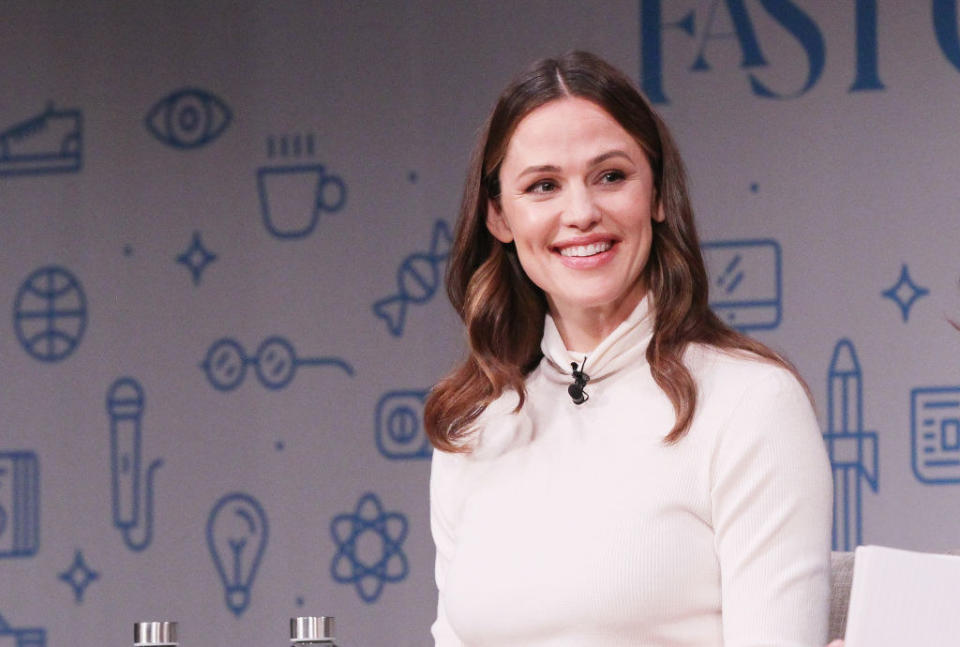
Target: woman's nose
{"points": [[581, 209]]}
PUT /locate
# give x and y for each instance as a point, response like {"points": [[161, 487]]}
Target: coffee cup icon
{"points": [[293, 197]]}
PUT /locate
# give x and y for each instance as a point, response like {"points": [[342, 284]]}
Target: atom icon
{"points": [[369, 550]]}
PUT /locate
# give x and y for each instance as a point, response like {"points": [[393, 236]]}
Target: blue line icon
{"points": [[905, 292], [10, 637], [399, 425], [196, 257], [50, 313], [369, 548], [745, 282], [51, 142], [935, 432], [79, 576], [188, 118], [294, 145], [853, 451], [125, 404], [19, 504], [292, 197], [237, 532], [275, 363], [418, 278]]}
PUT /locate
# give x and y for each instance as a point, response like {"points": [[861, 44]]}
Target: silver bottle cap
{"points": [[311, 628], [154, 633]]}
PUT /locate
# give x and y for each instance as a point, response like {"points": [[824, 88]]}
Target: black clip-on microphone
{"points": [[580, 379]]}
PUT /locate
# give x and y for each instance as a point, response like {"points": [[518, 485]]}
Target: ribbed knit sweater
{"points": [[577, 525]]}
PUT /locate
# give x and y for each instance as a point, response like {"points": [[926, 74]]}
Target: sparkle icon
{"points": [[369, 548], [79, 576], [196, 258], [905, 292]]}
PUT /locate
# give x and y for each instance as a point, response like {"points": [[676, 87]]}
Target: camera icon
{"points": [[399, 426]]}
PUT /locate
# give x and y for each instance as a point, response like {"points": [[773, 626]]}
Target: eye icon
{"points": [[188, 118]]}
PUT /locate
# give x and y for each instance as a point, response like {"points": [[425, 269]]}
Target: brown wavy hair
{"points": [[503, 310]]}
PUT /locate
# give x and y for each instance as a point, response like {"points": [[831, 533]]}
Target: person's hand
{"points": [[836, 643]]}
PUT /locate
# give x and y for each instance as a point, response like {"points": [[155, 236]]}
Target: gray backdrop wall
{"points": [[223, 228]]}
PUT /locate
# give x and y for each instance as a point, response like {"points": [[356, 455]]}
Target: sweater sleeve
{"points": [[442, 526], [771, 499]]}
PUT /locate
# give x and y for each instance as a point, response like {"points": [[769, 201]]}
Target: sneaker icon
{"points": [[51, 142]]}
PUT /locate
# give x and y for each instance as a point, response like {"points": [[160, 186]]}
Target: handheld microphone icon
{"points": [[125, 403]]}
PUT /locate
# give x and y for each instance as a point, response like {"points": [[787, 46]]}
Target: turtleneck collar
{"points": [[626, 345]]}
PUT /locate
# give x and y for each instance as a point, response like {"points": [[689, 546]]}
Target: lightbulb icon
{"points": [[237, 537]]}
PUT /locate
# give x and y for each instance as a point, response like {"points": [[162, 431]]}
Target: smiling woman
{"points": [[581, 224], [616, 466]]}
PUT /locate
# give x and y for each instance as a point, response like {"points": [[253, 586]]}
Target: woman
{"points": [[615, 465]]}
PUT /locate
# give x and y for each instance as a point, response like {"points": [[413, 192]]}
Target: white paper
{"points": [[901, 598]]}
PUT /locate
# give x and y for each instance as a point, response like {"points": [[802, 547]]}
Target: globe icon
{"points": [[50, 314]]}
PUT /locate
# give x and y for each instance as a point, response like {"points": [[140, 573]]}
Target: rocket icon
{"points": [[418, 278], [853, 451]]}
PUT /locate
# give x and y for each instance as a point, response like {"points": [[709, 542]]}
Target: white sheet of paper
{"points": [[902, 598]]}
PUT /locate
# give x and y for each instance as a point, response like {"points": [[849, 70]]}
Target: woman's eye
{"points": [[610, 177], [542, 186]]}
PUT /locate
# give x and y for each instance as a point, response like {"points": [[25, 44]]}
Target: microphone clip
{"points": [[580, 379]]}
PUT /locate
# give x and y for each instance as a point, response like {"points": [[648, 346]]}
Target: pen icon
{"points": [[853, 451], [125, 404]]}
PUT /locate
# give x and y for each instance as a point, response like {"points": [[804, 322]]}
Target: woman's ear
{"points": [[659, 215], [496, 224]]}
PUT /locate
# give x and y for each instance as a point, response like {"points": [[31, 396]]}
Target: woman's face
{"points": [[575, 197]]}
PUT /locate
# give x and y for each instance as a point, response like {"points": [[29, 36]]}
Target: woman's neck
{"points": [[582, 329]]}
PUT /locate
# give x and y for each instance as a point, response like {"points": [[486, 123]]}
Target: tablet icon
{"points": [[50, 142], [745, 282], [399, 426], [935, 432]]}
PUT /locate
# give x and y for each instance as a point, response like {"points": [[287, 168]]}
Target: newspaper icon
{"points": [[935, 432], [19, 504], [10, 637], [745, 284]]}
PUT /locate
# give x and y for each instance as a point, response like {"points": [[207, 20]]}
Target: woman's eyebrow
{"points": [[545, 168], [599, 159], [603, 157]]}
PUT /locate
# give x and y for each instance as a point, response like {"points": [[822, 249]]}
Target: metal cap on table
{"points": [[154, 633], [311, 628]]}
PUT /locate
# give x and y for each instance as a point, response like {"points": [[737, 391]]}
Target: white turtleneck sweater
{"points": [[572, 525]]}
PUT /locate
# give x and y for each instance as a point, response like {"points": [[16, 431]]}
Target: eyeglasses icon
{"points": [[275, 363]]}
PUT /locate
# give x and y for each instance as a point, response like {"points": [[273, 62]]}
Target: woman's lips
{"points": [[586, 255]]}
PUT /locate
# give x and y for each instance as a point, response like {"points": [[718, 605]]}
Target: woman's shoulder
{"points": [[734, 374]]}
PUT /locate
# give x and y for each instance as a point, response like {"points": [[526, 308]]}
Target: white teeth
{"points": [[586, 250]]}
